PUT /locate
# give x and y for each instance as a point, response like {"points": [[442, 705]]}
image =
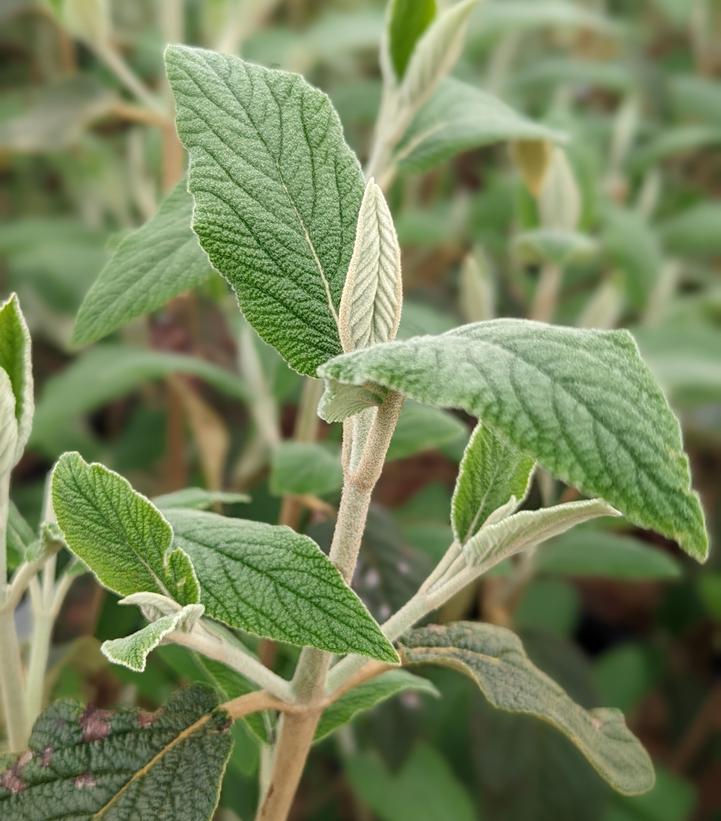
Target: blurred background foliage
{"points": [[189, 396]]}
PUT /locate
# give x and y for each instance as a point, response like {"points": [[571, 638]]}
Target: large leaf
{"points": [[580, 402], [276, 191], [85, 763], [495, 659], [273, 582], [407, 20], [460, 117], [150, 266], [118, 533], [491, 474], [16, 361]]}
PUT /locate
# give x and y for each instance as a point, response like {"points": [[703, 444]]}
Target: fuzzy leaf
{"points": [[150, 266], [198, 498], [407, 20], [117, 532], [276, 191], [492, 472], [298, 468], [367, 695], [494, 658], [370, 306], [580, 402], [133, 651], [460, 117], [15, 360], [273, 582], [88, 763]]}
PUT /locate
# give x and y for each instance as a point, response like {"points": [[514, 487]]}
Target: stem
{"points": [[12, 683], [129, 78], [4, 511], [297, 731], [38, 662]]}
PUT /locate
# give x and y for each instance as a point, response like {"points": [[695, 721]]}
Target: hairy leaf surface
{"points": [[16, 361], [150, 266], [276, 191], [494, 658], [87, 763], [273, 582], [580, 402]]}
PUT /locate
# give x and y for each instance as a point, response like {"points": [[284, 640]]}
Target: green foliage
{"points": [[198, 498], [257, 161], [494, 658], [85, 762], [17, 382], [569, 398], [421, 428], [150, 266], [298, 468], [407, 20]]}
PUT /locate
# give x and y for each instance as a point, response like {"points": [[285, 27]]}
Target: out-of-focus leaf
{"points": [[20, 537], [198, 498], [694, 232], [633, 247], [299, 468], [548, 606], [696, 97], [679, 140], [407, 20], [624, 675], [422, 428], [499, 16], [672, 799], [709, 589], [555, 246], [16, 364]]}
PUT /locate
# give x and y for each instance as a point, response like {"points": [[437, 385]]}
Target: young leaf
{"points": [[559, 200], [435, 55], [580, 402], [273, 582], [8, 425], [532, 156], [198, 498], [407, 20], [132, 651], [89, 763], [20, 536], [276, 191], [494, 658], [150, 266], [298, 468], [117, 532], [368, 695], [460, 117], [370, 306], [422, 428], [16, 361], [491, 473], [499, 540]]}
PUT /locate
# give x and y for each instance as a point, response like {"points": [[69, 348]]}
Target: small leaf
{"points": [[580, 402], [491, 473], [421, 428], [273, 582], [299, 468], [559, 200], [407, 20], [20, 536], [494, 658], [276, 191], [460, 117], [15, 360], [198, 498], [118, 533], [435, 54], [370, 306], [368, 695], [340, 401], [554, 245], [84, 762], [150, 266], [533, 157], [8, 425], [132, 651]]}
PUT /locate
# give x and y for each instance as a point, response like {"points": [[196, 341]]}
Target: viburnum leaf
{"points": [[580, 402], [276, 191], [150, 266], [15, 361], [491, 473], [85, 763], [274, 582], [124, 539], [495, 660], [407, 20]]}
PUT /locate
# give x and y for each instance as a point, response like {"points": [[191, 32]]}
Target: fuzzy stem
{"points": [[12, 683]]}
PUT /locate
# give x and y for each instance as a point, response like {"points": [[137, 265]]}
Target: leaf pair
{"points": [[264, 579]]}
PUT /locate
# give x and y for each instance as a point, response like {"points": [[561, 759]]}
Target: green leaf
{"points": [[8, 425], [276, 191], [20, 536], [150, 266], [117, 532], [132, 651], [198, 498], [15, 360], [460, 117], [557, 246], [695, 231], [273, 582], [425, 787], [407, 20], [580, 402], [298, 468], [368, 695], [595, 552], [370, 306], [492, 473], [494, 658], [422, 428], [111, 371], [84, 762]]}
